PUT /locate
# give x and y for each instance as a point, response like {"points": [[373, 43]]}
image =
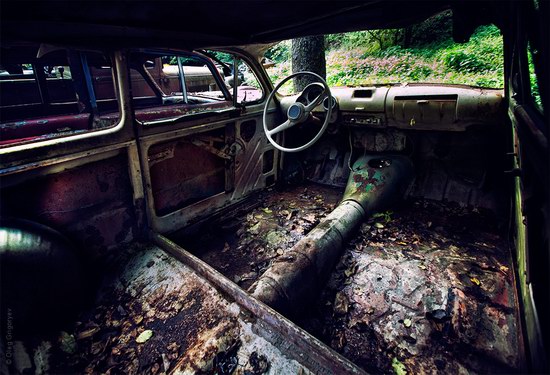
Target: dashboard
{"points": [[407, 106]]}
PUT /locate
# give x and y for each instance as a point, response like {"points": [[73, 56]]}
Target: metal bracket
{"points": [[207, 143]]}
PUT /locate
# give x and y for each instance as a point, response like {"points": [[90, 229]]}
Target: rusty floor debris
{"points": [[157, 317], [243, 247], [428, 288]]}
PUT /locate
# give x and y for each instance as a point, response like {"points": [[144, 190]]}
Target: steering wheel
{"points": [[297, 113]]}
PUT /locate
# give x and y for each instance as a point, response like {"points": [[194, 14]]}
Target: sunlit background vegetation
{"points": [[422, 53]]}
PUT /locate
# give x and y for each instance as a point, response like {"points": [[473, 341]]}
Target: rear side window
{"points": [[63, 92], [168, 86], [172, 86]]}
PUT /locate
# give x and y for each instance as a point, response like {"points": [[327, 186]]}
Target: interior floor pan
{"points": [[429, 286]]}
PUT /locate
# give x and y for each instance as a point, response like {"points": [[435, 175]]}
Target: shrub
{"points": [[462, 61], [280, 52]]}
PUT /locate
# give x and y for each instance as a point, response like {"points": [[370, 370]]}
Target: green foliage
{"points": [[185, 60], [346, 40], [280, 52], [372, 40], [369, 57], [464, 62], [435, 30], [533, 80], [398, 367], [224, 57], [483, 53]]}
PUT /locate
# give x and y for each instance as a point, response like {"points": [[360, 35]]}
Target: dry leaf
{"points": [[144, 336]]}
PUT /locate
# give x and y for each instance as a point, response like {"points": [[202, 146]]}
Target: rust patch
{"points": [[243, 247], [189, 324], [368, 182], [429, 286]]}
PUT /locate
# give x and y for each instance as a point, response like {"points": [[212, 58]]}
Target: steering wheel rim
{"points": [[297, 114]]}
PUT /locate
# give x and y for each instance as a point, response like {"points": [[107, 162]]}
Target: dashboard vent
{"points": [[363, 93]]}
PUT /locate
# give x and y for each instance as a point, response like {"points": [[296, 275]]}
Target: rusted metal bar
{"points": [[182, 80], [292, 278], [292, 282], [290, 339]]}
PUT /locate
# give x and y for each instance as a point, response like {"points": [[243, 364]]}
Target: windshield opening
{"points": [[423, 53]]}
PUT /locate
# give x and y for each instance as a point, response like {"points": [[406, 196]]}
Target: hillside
{"points": [[390, 56]]}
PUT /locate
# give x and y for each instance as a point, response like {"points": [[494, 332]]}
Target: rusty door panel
{"points": [[183, 173], [92, 203], [202, 171]]}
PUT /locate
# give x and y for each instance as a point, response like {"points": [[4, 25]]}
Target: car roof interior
{"points": [[225, 23]]}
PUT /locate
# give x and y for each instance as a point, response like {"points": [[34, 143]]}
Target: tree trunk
{"points": [[407, 37], [308, 54]]}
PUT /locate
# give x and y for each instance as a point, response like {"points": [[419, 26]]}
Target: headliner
{"points": [[196, 24]]}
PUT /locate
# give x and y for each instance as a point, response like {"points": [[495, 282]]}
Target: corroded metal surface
{"points": [[284, 335], [243, 247], [91, 203], [377, 181], [429, 287], [292, 282], [156, 315], [432, 289]]}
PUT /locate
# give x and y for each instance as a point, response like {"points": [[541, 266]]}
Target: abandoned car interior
{"points": [[167, 208]]}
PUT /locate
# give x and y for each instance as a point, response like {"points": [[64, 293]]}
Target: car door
{"points": [[201, 141]]}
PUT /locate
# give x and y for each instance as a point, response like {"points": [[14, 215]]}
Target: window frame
{"points": [[240, 57], [118, 65], [185, 117]]}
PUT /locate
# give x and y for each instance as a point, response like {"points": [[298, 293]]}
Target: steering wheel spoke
{"points": [[285, 125], [318, 100]]}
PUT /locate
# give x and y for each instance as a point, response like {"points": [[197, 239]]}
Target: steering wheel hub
{"points": [[296, 112]]}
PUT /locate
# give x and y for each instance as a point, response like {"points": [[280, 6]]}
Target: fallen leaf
{"points": [[351, 270], [155, 368], [165, 362], [379, 225], [407, 323], [341, 303], [267, 210], [144, 336], [67, 342], [88, 333], [398, 367], [475, 281], [254, 229], [339, 340]]}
